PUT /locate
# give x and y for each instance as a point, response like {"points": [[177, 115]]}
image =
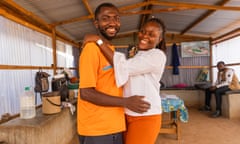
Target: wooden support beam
{"points": [[17, 67], [171, 37], [144, 16], [122, 14], [126, 46], [196, 6], [188, 67], [5, 14], [21, 67], [202, 17], [152, 11], [179, 4], [54, 54], [210, 64], [177, 38], [85, 2], [73, 20], [134, 6], [23, 12], [11, 17], [176, 5], [227, 36]]}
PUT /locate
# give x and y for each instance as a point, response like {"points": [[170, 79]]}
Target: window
{"points": [[227, 51]]}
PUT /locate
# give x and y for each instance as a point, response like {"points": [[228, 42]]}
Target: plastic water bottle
{"points": [[27, 104]]}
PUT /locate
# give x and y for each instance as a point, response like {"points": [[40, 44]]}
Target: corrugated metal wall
{"points": [[186, 76], [24, 47]]}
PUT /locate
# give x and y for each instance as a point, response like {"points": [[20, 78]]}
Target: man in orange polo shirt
{"points": [[100, 114]]}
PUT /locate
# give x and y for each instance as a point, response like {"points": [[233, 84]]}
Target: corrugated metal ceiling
{"points": [[177, 19]]}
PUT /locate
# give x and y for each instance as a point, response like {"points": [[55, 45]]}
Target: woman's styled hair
{"points": [[162, 44]]}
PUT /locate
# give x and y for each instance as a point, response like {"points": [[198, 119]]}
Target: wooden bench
{"points": [[196, 97], [190, 96], [43, 129], [233, 104], [230, 103]]}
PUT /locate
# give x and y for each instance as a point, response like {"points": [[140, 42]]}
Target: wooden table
{"points": [[174, 112]]}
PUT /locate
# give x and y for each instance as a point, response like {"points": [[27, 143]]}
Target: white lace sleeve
{"points": [[120, 68]]}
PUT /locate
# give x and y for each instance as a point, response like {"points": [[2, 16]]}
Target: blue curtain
{"points": [[175, 59]]}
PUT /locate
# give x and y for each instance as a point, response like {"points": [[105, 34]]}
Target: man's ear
{"points": [[96, 24]]}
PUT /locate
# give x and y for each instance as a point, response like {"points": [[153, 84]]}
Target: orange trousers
{"points": [[142, 129]]}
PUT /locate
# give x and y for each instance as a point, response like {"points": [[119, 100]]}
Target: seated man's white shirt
{"points": [[228, 78], [140, 75]]}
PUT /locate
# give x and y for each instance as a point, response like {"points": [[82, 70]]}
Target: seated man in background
{"points": [[226, 81]]}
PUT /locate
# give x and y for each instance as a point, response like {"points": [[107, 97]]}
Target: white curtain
{"points": [[22, 46]]}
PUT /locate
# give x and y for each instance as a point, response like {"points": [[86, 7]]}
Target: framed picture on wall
{"points": [[196, 48]]}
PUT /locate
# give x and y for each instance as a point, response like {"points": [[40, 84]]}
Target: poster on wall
{"points": [[196, 48]]}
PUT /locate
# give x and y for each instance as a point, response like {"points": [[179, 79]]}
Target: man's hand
{"points": [[212, 88], [137, 104]]}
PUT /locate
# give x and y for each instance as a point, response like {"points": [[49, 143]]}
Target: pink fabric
{"points": [[180, 85]]}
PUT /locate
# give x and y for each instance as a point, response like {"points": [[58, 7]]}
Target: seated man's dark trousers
{"points": [[218, 95]]}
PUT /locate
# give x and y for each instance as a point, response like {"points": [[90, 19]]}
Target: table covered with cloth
{"points": [[175, 104]]}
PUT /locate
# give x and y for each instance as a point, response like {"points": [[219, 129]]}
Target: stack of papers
{"points": [[172, 97], [169, 96]]}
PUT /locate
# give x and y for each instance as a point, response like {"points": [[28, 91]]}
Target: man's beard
{"points": [[222, 69], [103, 33]]}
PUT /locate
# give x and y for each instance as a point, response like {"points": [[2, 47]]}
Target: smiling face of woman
{"points": [[149, 36]]}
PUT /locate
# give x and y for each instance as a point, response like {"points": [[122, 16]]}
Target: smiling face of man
{"points": [[220, 66], [108, 22]]}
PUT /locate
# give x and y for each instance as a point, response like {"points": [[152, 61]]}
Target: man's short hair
{"points": [[98, 9], [220, 62]]}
